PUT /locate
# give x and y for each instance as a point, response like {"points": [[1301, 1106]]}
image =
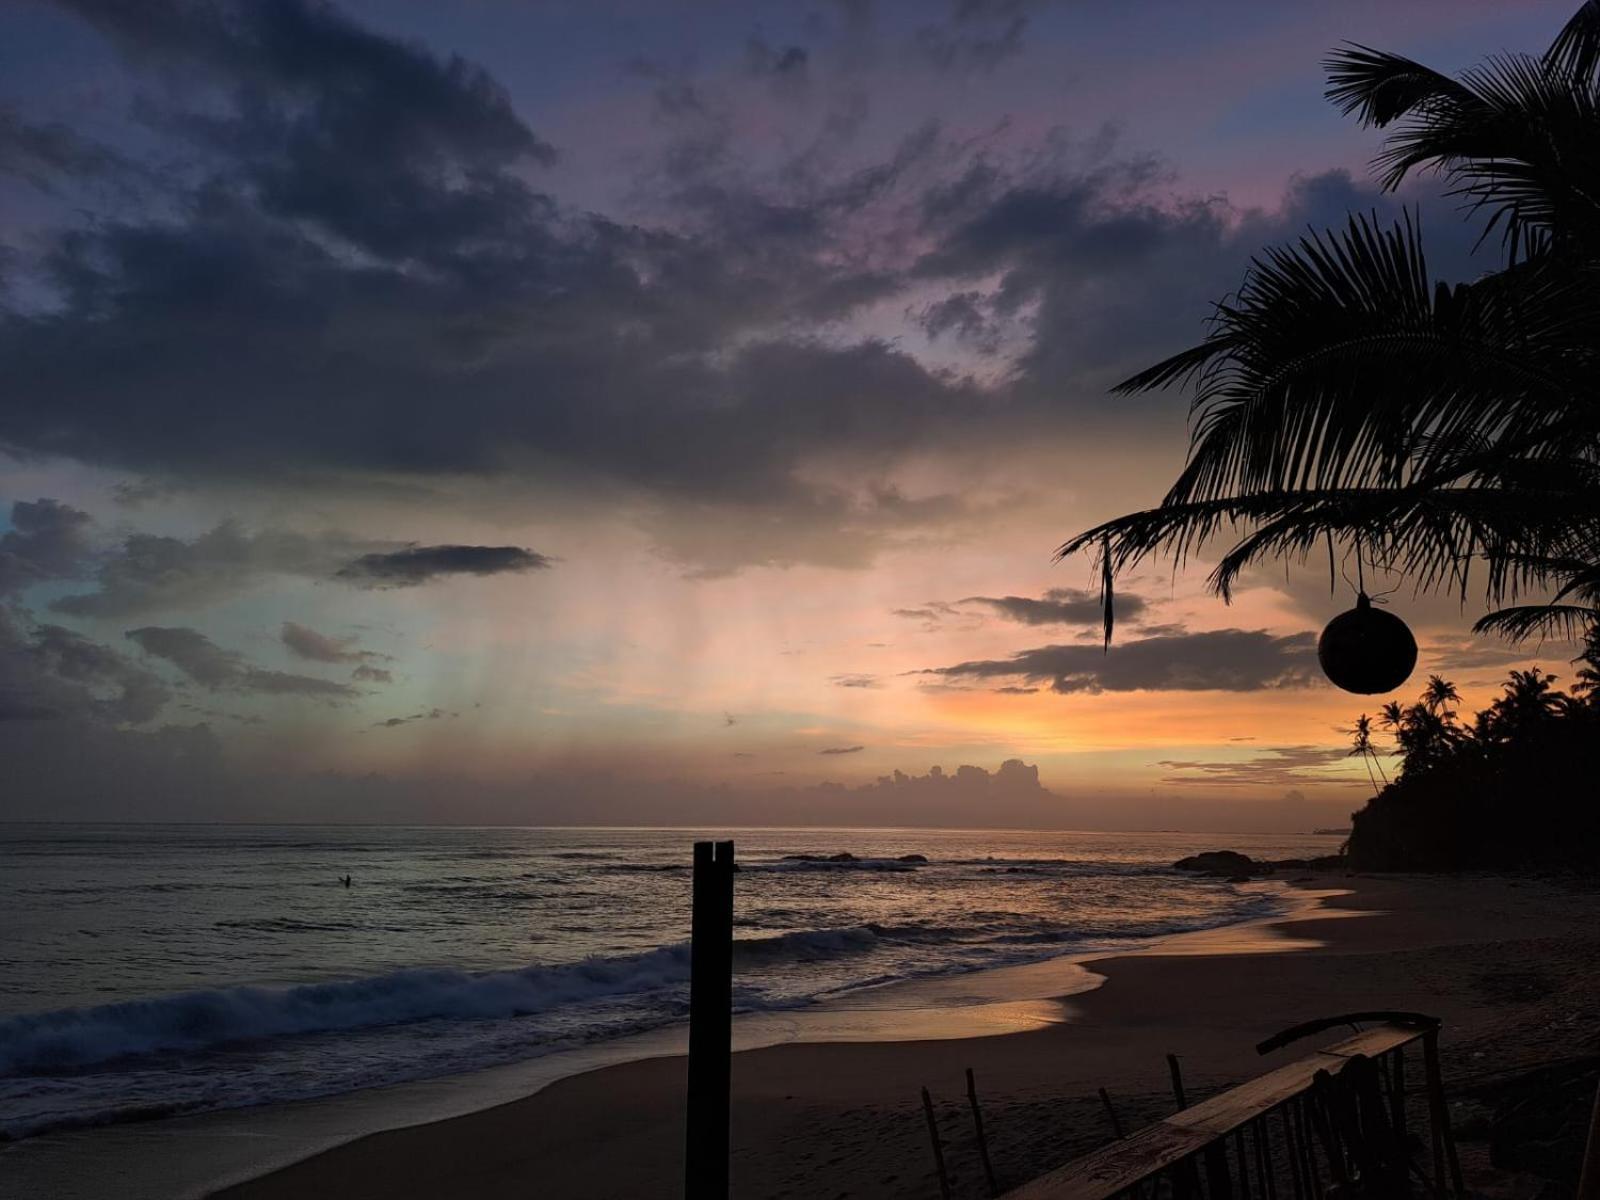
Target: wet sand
{"points": [[1513, 967]]}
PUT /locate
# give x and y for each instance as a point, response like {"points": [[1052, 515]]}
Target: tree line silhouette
{"points": [[1512, 787]]}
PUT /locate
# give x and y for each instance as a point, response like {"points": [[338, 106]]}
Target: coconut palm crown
{"points": [[1343, 397]]}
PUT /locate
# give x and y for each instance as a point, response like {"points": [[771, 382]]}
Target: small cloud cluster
{"points": [[416, 565], [1230, 660], [146, 573], [47, 541], [931, 614], [52, 673], [432, 714], [1060, 606], [1057, 606], [1275, 766], [209, 665], [307, 643]]}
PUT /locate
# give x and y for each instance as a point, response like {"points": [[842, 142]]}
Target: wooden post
{"points": [[983, 1142], [1589, 1178], [1397, 1098], [1177, 1081], [706, 1173], [1444, 1142], [1111, 1111], [938, 1145], [1292, 1144]]}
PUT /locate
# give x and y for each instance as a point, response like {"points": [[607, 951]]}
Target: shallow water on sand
{"points": [[155, 969]]}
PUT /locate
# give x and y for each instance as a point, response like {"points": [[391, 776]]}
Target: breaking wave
{"points": [[75, 1038], [78, 1038]]}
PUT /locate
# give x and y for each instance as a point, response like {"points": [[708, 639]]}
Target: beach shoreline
{"points": [[828, 1096], [843, 1118], [196, 1155]]}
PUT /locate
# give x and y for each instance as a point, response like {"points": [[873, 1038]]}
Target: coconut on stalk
{"points": [[1366, 650]]}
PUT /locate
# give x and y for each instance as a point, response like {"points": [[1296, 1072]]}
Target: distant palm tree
{"points": [[1345, 397], [1426, 732], [1437, 694], [1361, 744], [1392, 714]]}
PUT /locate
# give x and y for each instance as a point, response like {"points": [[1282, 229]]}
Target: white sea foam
{"points": [[188, 1021]]}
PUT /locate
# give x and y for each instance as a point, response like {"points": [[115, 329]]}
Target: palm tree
{"points": [[1425, 732], [1361, 744], [1529, 703], [1440, 692], [1343, 396], [1587, 689]]}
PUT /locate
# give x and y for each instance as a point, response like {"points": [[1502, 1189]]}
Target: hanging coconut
{"points": [[1367, 650]]}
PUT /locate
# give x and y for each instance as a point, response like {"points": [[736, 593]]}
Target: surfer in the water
{"points": [[345, 879]]}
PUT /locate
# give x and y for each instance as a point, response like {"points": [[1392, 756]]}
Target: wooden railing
{"points": [[1336, 1117]]}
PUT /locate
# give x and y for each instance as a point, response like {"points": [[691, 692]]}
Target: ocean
{"points": [[149, 970]]}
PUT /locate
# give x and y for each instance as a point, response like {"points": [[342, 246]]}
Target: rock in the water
{"points": [[1227, 863], [912, 858]]}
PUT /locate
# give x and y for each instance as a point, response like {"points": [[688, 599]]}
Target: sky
{"points": [[660, 413]]}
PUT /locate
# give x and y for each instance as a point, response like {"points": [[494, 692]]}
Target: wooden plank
{"points": [[1113, 1168], [1116, 1167], [1380, 1039], [1224, 1113]]}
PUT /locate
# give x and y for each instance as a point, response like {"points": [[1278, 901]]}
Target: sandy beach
{"points": [[1512, 966]]}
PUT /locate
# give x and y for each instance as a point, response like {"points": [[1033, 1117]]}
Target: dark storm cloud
{"points": [[395, 149], [209, 665], [1060, 606], [1110, 271], [418, 564], [1230, 660], [351, 273], [279, 318], [51, 673], [47, 540]]}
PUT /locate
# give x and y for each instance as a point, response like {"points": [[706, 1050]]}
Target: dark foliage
{"points": [[1344, 396], [1514, 788]]}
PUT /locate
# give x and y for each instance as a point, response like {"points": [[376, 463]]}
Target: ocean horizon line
{"points": [[666, 828]]}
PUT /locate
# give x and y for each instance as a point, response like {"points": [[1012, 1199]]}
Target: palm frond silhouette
{"points": [[1345, 396]]}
